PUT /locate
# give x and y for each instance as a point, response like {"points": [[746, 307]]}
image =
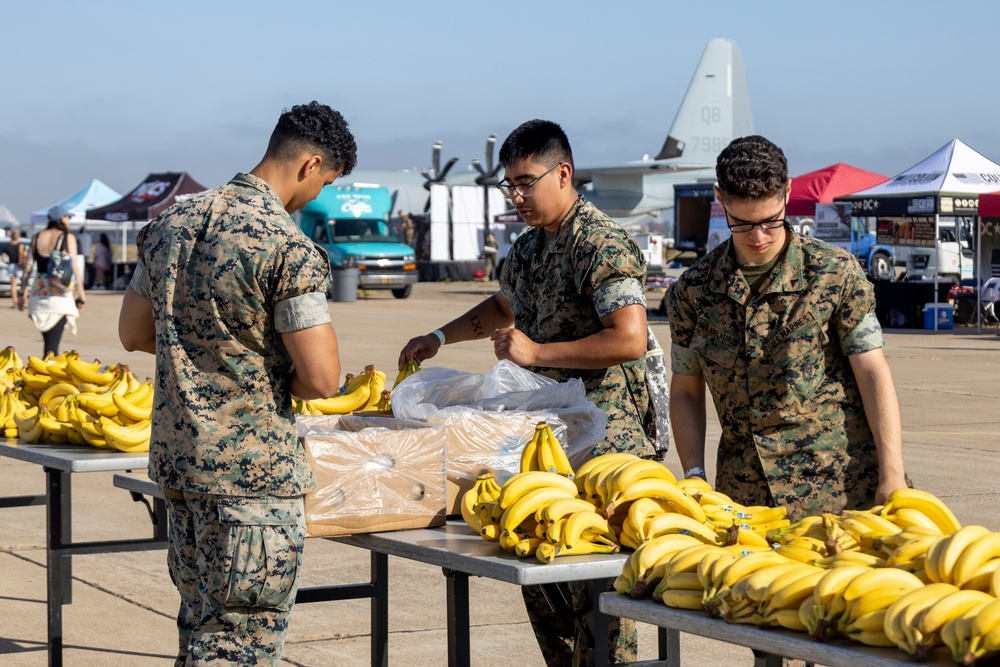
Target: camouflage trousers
{"points": [[235, 562], [557, 634]]}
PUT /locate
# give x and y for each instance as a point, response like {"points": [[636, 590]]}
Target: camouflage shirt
{"points": [[794, 429], [559, 289], [228, 272]]}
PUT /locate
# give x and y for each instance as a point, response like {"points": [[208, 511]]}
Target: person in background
{"points": [[15, 254], [782, 328], [490, 250], [102, 261], [51, 304], [405, 228], [84, 241], [571, 304], [230, 296]]}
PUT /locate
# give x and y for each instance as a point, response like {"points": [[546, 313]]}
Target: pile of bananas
{"points": [[63, 399], [612, 501], [364, 391], [906, 574]]}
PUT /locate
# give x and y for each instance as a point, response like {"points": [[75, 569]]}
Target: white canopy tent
{"points": [[948, 182], [90, 196]]}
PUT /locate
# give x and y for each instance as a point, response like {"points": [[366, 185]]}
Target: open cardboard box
{"points": [[373, 474]]}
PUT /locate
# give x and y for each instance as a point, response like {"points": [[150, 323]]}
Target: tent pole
{"points": [[978, 240], [937, 264]]}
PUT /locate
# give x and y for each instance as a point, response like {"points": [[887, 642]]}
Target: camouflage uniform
{"points": [[228, 272], [794, 429], [559, 286], [559, 289]]}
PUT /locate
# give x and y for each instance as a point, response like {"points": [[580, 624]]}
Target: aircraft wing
{"points": [[636, 168]]}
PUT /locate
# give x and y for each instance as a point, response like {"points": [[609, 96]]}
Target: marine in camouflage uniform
{"points": [[228, 272], [560, 285], [794, 429]]}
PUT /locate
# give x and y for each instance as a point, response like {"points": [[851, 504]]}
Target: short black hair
{"points": [[314, 127], [751, 168], [540, 140]]}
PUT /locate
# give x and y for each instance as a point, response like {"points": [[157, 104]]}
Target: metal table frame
{"points": [[461, 554], [768, 644], [377, 590], [59, 462]]}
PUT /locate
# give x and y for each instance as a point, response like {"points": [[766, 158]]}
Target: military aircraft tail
{"points": [[715, 109]]}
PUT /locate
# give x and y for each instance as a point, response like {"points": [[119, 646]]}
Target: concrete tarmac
{"points": [[124, 604]]}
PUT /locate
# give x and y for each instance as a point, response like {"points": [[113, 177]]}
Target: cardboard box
{"points": [[373, 474]]}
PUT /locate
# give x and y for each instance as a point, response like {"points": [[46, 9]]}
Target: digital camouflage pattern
{"points": [[559, 637], [559, 286], [794, 430], [216, 268], [559, 289], [238, 584]]}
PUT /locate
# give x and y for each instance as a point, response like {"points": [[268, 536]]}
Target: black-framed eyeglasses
{"points": [[522, 189], [744, 226]]}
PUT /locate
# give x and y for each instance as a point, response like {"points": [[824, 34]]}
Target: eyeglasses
{"points": [[522, 189], [744, 226]]}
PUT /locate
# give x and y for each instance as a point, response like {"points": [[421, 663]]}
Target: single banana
{"points": [[562, 507], [529, 455], [679, 598], [880, 578], [695, 485], [790, 589], [755, 584], [580, 522], [666, 523], [529, 503], [602, 460], [563, 466], [910, 550]]}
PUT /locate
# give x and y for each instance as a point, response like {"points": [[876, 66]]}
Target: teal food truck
{"points": [[352, 223]]}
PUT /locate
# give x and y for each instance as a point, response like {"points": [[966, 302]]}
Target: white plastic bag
{"points": [[446, 396]]}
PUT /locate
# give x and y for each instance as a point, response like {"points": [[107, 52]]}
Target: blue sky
{"points": [[115, 90]]}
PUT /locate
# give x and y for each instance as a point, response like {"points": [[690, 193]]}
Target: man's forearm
{"points": [[479, 322], [688, 422], [878, 393]]}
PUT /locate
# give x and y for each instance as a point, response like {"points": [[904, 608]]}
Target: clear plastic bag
{"points": [[491, 416]]}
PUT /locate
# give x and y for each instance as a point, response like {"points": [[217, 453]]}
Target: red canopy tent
{"points": [[989, 205], [822, 185]]}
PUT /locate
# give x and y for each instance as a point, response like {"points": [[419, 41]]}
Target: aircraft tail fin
{"points": [[715, 109]]}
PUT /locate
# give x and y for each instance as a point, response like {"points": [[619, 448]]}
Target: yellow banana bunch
{"points": [[900, 623], [828, 600], [588, 473], [913, 503], [9, 359], [651, 555], [134, 438], [409, 368], [956, 633], [874, 590], [544, 452], [484, 490], [10, 407], [682, 562], [361, 392]]}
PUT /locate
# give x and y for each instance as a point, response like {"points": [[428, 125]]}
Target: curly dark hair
{"points": [[751, 168], [540, 140], [314, 127]]}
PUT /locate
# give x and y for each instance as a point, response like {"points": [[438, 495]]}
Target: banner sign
{"points": [[906, 230], [833, 222]]}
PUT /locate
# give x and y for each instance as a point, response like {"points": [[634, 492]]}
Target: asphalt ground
{"points": [[124, 604]]}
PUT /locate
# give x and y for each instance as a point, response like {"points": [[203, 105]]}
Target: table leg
{"points": [[59, 572], [762, 659], [459, 649], [669, 642], [597, 624], [380, 610]]}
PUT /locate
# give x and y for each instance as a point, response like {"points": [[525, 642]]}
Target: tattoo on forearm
{"points": [[477, 327]]}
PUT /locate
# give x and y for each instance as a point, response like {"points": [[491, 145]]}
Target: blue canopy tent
{"points": [[90, 196]]}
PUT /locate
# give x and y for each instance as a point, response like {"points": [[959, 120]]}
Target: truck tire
{"points": [[403, 292], [881, 267]]}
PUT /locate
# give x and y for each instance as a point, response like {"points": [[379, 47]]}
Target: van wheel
{"points": [[402, 293], [882, 267]]}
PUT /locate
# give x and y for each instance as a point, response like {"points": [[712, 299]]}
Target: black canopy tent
{"points": [[155, 194]]}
